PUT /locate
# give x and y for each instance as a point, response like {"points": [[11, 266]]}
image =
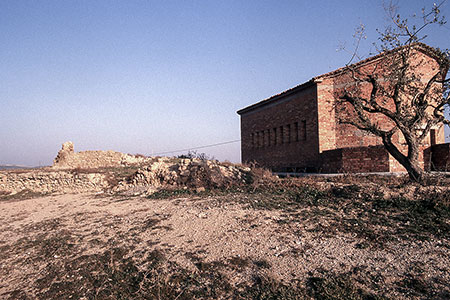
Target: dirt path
{"points": [[42, 238]]}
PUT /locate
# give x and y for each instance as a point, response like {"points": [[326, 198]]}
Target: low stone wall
{"points": [[49, 182], [161, 173], [68, 159], [355, 160]]}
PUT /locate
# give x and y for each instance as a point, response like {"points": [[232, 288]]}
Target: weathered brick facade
{"points": [[299, 129]]}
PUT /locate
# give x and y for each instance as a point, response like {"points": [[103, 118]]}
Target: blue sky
{"points": [[154, 76]]}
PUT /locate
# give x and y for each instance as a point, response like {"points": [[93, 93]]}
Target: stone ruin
{"points": [[67, 158], [115, 172]]}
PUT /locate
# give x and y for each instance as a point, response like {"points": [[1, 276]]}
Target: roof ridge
{"points": [[421, 46], [426, 49]]}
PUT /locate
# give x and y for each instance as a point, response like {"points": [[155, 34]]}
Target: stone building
{"points": [[299, 130]]}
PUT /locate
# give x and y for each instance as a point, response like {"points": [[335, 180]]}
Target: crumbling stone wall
{"points": [[49, 182], [67, 158]]}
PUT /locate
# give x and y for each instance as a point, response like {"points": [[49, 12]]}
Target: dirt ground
{"points": [[305, 244]]}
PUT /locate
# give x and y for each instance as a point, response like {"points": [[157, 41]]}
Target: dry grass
{"points": [[105, 262]]}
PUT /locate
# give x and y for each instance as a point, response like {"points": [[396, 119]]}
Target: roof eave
{"points": [[278, 96]]}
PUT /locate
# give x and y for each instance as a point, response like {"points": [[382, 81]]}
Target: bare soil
{"points": [[292, 240]]}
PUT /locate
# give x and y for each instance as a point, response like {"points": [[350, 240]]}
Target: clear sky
{"points": [[153, 76]]}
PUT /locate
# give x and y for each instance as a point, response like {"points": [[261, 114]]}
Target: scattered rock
{"points": [[200, 189]]}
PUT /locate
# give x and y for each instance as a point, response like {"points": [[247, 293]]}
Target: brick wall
{"points": [[283, 133], [332, 87], [316, 105], [355, 159], [440, 157]]}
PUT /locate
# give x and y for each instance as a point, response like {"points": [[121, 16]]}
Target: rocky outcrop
{"points": [[68, 159]]}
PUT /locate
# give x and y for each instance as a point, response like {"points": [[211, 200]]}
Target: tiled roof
{"points": [[420, 46]]}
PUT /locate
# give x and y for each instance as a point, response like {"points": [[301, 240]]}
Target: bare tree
{"points": [[402, 95]]}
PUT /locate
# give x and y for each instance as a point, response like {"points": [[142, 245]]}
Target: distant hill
{"points": [[9, 167]]}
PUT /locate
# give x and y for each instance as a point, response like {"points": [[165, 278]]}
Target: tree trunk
{"points": [[411, 162], [414, 171]]}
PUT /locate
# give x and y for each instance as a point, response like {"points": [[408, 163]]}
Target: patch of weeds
{"points": [[101, 276], [337, 287], [350, 209], [48, 245], [346, 191], [239, 262], [270, 289], [113, 274], [414, 285], [264, 264], [80, 170], [22, 195], [46, 225], [150, 223], [95, 242], [5, 252], [155, 258], [421, 218], [114, 175], [311, 195], [16, 294], [168, 193], [288, 198]]}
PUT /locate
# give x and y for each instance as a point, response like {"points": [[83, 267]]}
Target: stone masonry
{"points": [[115, 172], [68, 159]]}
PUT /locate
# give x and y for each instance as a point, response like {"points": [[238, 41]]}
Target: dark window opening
{"points": [[288, 133], [281, 135], [304, 130], [274, 136]]}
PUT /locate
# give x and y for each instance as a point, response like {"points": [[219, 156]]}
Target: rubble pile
{"points": [[192, 173]]}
